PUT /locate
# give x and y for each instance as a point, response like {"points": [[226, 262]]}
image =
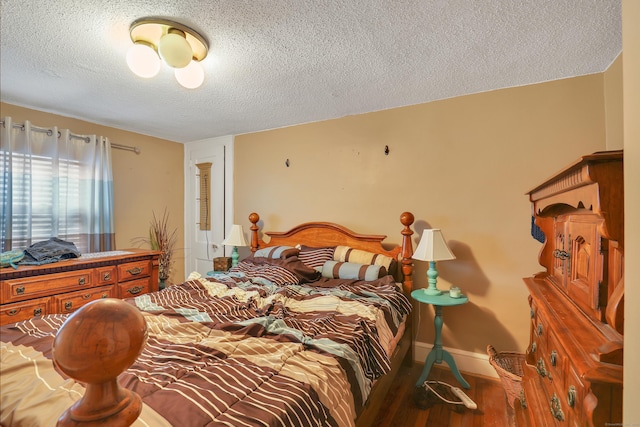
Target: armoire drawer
{"points": [[556, 360], [24, 310], [71, 301]]}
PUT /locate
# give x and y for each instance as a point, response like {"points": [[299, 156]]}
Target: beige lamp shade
{"points": [[235, 237], [432, 247]]}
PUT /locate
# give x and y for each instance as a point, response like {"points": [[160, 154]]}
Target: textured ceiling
{"points": [[275, 63]]}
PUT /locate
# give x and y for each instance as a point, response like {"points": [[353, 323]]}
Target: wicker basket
{"points": [[508, 365]]}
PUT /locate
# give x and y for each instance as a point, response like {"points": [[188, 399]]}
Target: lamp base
{"points": [[235, 256], [432, 274]]}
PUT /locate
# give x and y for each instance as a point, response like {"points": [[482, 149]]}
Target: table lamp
{"points": [[235, 238], [432, 248]]}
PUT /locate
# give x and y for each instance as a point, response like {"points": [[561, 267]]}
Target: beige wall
{"points": [[631, 105], [462, 164], [613, 104], [143, 183]]}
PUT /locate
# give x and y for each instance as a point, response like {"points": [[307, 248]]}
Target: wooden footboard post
{"points": [[95, 345], [254, 218], [407, 219]]}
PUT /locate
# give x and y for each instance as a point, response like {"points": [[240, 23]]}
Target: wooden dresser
{"points": [[65, 286], [573, 368]]}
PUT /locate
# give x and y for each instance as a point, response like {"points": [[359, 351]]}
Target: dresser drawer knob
{"points": [[81, 281], [523, 399], [13, 311], [534, 346], [135, 290], [20, 290], [37, 312], [571, 396], [532, 313], [556, 409], [540, 368], [553, 358], [105, 295], [135, 271], [106, 276], [68, 305], [86, 296], [539, 329]]}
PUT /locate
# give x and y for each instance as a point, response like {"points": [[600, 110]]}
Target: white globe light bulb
{"points": [[175, 50], [191, 76], [143, 61]]}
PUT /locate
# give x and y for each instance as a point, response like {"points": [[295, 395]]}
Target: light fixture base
{"points": [[149, 31]]}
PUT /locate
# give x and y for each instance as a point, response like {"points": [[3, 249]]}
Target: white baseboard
{"points": [[466, 361]]}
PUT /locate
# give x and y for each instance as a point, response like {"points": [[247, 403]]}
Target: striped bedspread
{"points": [[240, 350]]}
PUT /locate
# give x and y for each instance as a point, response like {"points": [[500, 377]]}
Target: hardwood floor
{"points": [[399, 410]]}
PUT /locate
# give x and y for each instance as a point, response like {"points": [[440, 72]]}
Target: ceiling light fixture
{"points": [[180, 47]]}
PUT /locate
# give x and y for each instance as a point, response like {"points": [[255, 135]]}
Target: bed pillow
{"points": [[352, 270], [315, 257], [348, 254], [276, 252], [280, 271]]}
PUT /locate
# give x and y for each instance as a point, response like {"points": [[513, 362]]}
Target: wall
{"points": [[143, 183], [631, 106], [461, 164], [613, 104]]}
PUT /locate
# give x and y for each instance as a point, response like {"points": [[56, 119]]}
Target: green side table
{"points": [[437, 353]]}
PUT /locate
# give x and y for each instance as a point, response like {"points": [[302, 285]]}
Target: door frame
{"points": [[227, 144]]}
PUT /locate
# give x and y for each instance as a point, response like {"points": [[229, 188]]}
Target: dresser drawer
{"points": [[133, 288], [71, 301], [19, 311], [134, 270], [37, 286], [106, 275]]}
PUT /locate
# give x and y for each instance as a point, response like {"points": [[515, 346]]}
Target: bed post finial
{"points": [[254, 218], [95, 345], [407, 218]]}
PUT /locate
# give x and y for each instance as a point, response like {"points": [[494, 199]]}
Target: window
{"points": [[53, 186]]}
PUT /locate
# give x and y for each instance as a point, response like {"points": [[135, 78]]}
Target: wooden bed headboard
{"points": [[319, 234]]}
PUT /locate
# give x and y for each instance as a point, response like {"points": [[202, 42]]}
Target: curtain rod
{"points": [[126, 147], [49, 132]]}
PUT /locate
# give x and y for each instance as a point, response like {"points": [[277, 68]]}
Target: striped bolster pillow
{"points": [[276, 252], [315, 257], [347, 254], [352, 270]]}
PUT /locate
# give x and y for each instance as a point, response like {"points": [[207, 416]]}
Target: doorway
{"points": [[203, 241]]}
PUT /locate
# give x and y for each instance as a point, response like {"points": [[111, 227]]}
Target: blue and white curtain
{"points": [[54, 183]]}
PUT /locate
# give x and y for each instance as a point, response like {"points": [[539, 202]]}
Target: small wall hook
{"points": [[386, 150], [287, 162]]}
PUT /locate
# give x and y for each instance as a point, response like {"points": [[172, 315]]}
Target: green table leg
{"points": [[438, 354]]}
